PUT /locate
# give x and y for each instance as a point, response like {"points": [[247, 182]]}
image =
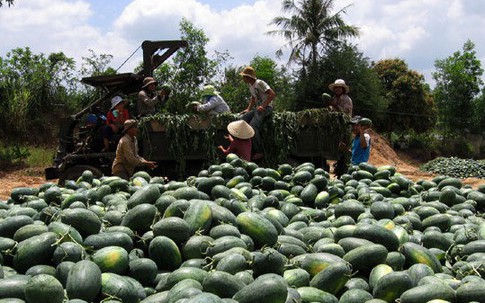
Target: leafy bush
{"points": [[12, 155]]}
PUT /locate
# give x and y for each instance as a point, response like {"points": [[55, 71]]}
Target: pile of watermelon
{"points": [[456, 167], [238, 232]]}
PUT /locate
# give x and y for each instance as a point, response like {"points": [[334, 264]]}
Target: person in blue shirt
{"points": [[361, 143]]}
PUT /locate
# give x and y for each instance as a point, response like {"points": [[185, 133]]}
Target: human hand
{"points": [[342, 146], [221, 148], [260, 108], [151, 164], [244, 111], [229, 137]]}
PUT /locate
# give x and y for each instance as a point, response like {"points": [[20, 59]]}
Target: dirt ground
{"points": [[381, 154]]}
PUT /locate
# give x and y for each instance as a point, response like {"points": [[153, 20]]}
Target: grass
{"points": [[14, 157], [40, 156]]}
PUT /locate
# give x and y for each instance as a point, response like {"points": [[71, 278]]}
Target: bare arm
{"points": [[362, 140], [271, 96]]}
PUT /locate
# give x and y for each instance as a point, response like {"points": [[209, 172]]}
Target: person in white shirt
{"points": [[212, 103], [259, 106]]}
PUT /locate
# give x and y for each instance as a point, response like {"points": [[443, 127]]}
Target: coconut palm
{"points": [[10, 2], [311, 29]]}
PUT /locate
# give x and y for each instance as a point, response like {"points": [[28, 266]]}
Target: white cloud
{"points": [[417, 31]]}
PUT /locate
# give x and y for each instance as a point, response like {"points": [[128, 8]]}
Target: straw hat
{"points": [[115, 101], [240, 129], [248, 71], [130, 123], [339, 83], [209, 90], [147, 81]]}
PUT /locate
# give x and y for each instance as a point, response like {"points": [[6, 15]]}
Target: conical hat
{"points": [[240, 129]]}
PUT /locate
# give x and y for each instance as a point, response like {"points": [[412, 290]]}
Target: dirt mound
{"points": [[383, 154]]}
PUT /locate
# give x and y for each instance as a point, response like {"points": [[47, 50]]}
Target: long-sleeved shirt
{"points": [[213, 105], [146, 103], [127, 157], [344, 104]]}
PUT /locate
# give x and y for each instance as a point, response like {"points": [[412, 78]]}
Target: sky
{"points": [[417, 31]]}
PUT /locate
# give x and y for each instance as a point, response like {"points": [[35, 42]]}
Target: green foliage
{"points": [[32, 85], [458, 83], [40, 156], [479, 117], [311, 29], [193, 68], [277, 78], [411, 105], [281, 133], [10, 2], [12, 155], [346, 63], [234, 91]]}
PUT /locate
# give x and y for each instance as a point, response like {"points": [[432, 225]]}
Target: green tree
{"points": [[192, 68], [411, 105], [92, 65], [236, 93], [96, 64], [458, 83], [479, 110], [32, 85], [348, 63], [234, 90], [311, 29], [10, 2]]}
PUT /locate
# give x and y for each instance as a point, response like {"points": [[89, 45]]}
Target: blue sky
{"points": [[417, 31]]}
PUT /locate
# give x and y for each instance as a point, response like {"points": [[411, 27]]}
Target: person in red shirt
{"points": [[115, 120], [240, 134]]}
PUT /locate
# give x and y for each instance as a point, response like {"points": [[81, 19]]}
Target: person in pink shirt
{"points": [[240, 134]]}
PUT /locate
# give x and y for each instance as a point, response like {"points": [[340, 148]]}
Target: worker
{"points": [[127, 158]]}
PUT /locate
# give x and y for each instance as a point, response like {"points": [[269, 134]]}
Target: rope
{"points": [[128, 58]]}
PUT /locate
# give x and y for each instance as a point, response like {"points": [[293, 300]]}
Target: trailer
{"points": [[185, 144]]}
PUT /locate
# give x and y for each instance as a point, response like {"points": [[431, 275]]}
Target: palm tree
{"points": [[10, 2], [311, 29]]}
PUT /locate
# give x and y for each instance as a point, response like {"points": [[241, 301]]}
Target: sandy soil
{"points": [[381, 154]]}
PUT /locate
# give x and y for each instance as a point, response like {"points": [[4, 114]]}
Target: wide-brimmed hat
{"points": [[248, 71], [115, 101], [130, 123], [147, 81], [240, 129], [339, 83], [209, 90], [355, 119], [365, 122]]}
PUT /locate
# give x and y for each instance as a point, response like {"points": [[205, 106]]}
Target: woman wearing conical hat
{"points": [[240, 134], [259, 106]]}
